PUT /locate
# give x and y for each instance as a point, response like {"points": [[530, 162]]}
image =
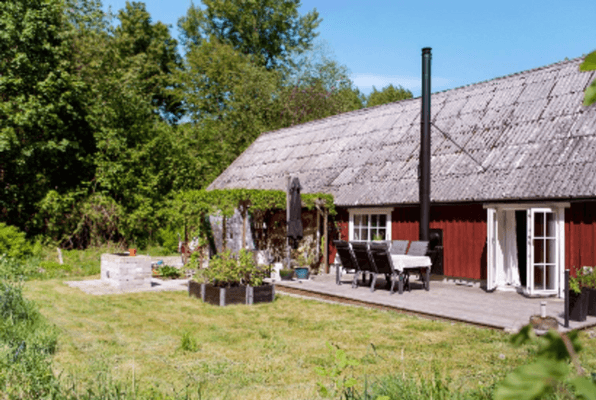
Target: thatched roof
{"points": [[530, 132]]}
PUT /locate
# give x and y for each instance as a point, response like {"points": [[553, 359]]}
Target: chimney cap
{"points": [[426, 50]]}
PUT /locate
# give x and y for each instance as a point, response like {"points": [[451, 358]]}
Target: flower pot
{"points": [[301, 272], [288, 276], [591, 301], [578, 305]]}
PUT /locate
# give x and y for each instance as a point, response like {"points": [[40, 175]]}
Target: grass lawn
{"points": [[266, 351]]}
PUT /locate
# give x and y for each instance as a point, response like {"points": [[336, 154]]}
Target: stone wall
{"points": [[126, 272]]}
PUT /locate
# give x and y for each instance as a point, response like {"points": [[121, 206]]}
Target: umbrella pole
{"points": [[288, 254]]}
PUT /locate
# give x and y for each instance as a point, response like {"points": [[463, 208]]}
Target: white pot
{"points": [[275, 271]]}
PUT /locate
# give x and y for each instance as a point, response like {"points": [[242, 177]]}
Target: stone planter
{"points": [[578, 305], [235, 295]]}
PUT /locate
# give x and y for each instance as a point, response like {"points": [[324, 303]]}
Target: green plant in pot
{"points": [[582, 294], [286, 274], [229, 270]]}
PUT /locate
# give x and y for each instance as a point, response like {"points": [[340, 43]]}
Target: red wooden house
{"points": [[513, 186]]}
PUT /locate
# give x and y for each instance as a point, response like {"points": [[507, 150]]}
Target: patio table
{"points": [[403, 262]]}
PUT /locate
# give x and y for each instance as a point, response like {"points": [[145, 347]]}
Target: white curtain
{"points": [[511, 266]]}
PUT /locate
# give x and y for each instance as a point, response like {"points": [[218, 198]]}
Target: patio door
{"points": [[526, 248], [543, 269]]}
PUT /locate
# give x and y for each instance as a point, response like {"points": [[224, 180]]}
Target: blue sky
{"points": [[380, 42]]}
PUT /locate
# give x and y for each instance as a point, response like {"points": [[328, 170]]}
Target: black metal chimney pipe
{"points": [[424, 190]]}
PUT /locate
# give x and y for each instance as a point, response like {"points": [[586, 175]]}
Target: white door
{"points": [[543, 251], [491, 238]]}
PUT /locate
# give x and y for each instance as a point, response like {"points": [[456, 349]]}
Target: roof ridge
{"points": [[367, 109]]}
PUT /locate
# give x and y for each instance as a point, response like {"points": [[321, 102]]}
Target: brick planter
{"points": [[235, 295], [126, 272]]}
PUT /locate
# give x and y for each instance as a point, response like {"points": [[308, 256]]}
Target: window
{"points": [[370, 224]]}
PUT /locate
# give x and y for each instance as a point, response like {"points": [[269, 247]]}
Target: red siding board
{"points": [[580, 235], [464, 235]]}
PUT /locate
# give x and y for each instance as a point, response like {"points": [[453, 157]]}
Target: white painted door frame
{"points": [[495, 263]]}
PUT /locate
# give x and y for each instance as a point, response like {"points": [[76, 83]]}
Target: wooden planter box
{"points": [[578, 305], [235, 295]]}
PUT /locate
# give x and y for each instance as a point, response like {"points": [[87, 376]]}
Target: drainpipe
{"points": [[424, 190]]}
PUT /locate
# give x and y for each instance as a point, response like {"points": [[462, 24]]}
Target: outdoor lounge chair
{"points": [[399, 246], [382, 259], [348, 261], [418, 248], [365, 263]]}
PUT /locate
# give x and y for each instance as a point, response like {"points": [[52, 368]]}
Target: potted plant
{"points": [[578, 297], [286, 274], [587, 280], [231, 279], [305, 259]]}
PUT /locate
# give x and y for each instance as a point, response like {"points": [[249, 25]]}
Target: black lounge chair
{"points": [[348, 261], [365, 263], [382, 259], [399, 246]]}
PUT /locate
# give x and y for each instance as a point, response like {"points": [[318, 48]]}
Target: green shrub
{"points": [[26, 345], [168, 239], [227, 270], [13, 242], [167, 271], [13, 269]]}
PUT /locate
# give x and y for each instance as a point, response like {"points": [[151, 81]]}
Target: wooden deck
{"points": [[499, 310]]}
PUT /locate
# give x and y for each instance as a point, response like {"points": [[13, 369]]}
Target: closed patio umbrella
{"points": [[295, 232]]}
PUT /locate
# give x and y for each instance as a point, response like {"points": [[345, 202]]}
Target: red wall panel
{"points": [[464, 236], [580, 235]]}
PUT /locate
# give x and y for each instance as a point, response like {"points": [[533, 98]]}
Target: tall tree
{"points": [[230, 101], [388, 94], [45, 139], [316, 87], [270, 30]]}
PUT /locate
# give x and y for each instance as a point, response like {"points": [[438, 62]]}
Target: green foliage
{"points": [[589, 64], [339, 373], [168, 238], [585, 277], [13, 242], [45, 140], [270, 30], [388, 94], [167, 271], [14, 269], [228, 270], [189, 343], [549, 371], [26, 344]]}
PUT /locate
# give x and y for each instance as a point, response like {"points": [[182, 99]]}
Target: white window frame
{"points": [[370, 211]]}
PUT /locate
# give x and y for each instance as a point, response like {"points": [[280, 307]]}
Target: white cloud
{"points": [[365, 82]]}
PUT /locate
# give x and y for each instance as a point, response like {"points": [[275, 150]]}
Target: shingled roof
{"points": [[529, 131]]}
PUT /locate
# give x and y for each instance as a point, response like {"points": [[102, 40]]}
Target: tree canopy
{"points": [[388, 94], [103, 122], [270, 30]]}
